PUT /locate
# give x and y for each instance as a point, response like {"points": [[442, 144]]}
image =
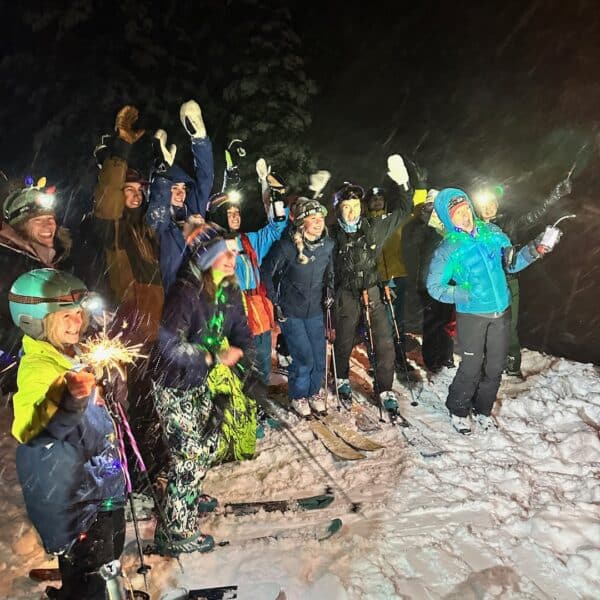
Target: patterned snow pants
{"points": [[199, 435]]}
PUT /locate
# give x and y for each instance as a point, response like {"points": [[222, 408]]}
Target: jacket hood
{"points": [[177, 175], [441, 204]]}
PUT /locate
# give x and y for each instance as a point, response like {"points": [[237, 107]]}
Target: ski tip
{"points": [[334, 527]]}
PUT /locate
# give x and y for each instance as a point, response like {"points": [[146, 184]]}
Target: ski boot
{"points": [[389, 403], [486, 422], [317, 402], [178, 544], [513, 367], [461, 424], [344, 392], [301, 407]]}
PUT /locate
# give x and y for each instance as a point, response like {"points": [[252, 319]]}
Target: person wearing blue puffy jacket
{"points": [[469, 270], [178, 200]]}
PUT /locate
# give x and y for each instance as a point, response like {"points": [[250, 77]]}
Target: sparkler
{"points": [[104, 354]]}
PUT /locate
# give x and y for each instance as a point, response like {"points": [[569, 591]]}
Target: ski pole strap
{"points": [[123, 457], [131, 437]]}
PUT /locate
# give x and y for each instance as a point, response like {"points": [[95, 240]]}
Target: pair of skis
{"points": [[341, 440]]}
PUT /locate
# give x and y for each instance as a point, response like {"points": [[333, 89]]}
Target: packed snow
{"points": [[511, 513]]}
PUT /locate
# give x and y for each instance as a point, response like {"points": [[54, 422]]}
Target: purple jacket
{"points": [[179, 358]]}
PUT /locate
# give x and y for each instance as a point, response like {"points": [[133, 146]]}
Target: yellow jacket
{"points": [[41, 385]]}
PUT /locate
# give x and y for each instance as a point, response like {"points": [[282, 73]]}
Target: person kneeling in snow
{"points": [[68, 460], [469, 269], [204, 353]]}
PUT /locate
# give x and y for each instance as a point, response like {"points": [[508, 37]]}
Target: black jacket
{"points": [[355, 254]]}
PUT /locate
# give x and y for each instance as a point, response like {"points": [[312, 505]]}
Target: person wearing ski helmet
{"points": [[177, 201], [358, 242], [298, 276], [469, 270], [201, 390], [30, 238], [130, 245], [225, 210], [390, 262], [68, 459], [486, 203], [420, 237]]}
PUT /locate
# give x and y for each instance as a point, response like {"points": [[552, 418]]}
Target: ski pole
{"points": [[387, 295], [371, 347], [333, 363], [326, 380]]}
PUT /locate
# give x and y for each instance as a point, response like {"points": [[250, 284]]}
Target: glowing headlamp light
{"points": [[45, 200], [93, 303], [234, 196]]}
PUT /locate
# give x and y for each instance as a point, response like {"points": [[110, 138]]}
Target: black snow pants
{"points": [[102, 543], [483, 344], [514, 348], [347, 312], [438, 345]]}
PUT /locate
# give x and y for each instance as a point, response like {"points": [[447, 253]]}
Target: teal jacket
{"points": [[469, 270]]}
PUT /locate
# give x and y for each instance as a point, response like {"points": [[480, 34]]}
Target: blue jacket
{"points": [[179, 358], [469, 269], [261, 241], [298, 288], [68, 462], [160, 216]]}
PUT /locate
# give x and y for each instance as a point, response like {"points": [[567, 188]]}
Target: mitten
{"points": [[191, 119]]}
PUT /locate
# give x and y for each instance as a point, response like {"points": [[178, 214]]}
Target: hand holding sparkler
{"points": [[80, 384]]}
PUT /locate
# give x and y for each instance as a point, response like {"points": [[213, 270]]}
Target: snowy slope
{"points": [[512, 513]]}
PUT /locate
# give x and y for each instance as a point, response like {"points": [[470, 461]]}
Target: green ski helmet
{"points": [[41, 292], [31, 201]]}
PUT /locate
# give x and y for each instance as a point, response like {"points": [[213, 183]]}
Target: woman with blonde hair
{"points": [[68, 461]]}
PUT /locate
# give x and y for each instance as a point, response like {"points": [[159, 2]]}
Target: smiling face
{"points": [[234, 218], [462, 218], [350, 210], [225, 262], [178, 192], [314, 226], [41, 230], [133, 194], [488, 210], [64, 326]]}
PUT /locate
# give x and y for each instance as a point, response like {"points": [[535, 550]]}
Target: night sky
{"points": [[478, 92]]}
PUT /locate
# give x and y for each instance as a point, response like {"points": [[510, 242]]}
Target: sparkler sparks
{"points": [[104, 354]]}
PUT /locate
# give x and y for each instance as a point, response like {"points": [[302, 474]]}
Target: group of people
{"points": [[202, 299]]}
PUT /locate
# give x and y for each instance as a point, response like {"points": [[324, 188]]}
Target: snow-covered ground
{"points": [[512, 513]]}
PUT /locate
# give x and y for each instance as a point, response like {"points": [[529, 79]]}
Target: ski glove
{"points": [[417, 175], [191, 119], [103, 149], [461, 296], [163, 156], [318, 181], [262, 170], [279, 316], [397, 170], [329, 298], [124, 123]]}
